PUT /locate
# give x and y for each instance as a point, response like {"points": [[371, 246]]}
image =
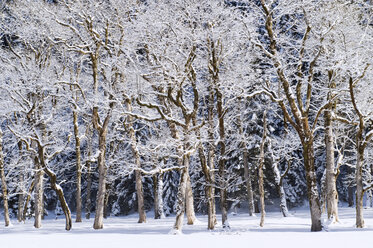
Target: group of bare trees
{"points": [[88, 77]]}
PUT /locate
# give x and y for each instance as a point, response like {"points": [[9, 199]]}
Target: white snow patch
{"points": [[278, 231]]}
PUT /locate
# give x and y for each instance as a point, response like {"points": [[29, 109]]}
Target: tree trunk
{"points": [[28, 198], [313, 195], [359, 188], [21, 195], [223, 183], [245, 159], [21, 201], [106, 204], [189, 207], [139, 186], [260, 173], [89, 178], [39, 191], [280, 190], [100, 202], [181, 196], [209, 180], [350, 195], [3, 183], [249, 188], [331, 189], [369, 195], [140, 196], [158, 196], [283, 205], [57, 188], [78, 169]]}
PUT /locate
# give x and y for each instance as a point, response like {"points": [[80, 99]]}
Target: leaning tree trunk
{"points": [[55, 186], [61, 197], [28, 198], [78, 169], [359, 189], [331, 188], [3, 183]]}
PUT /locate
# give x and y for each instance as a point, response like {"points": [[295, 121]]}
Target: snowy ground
{"points": [[245, 232]]}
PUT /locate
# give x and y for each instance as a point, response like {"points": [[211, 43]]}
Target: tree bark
{"points": [[189, 207], [21, 194], [3, 183], [331, 188], [54, 185], [359, 189], [181, 196], [313, 195], [106, 204], [209, 180], [28, 198], [223, 183], [261, 173], [280, 189], [245, 160], [39, 191], [139, 186], [78, 169], [89, 178], [140, 196], [350, 195], [158, 196], [102, 170]]}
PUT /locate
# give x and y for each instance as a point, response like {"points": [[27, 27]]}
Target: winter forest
{"points": [[185, 108]]}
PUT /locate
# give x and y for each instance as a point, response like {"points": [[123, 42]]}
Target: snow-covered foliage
{"points": [[151, 90]]}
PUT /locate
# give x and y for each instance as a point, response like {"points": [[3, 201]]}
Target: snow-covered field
{"points": [[245, 232]]}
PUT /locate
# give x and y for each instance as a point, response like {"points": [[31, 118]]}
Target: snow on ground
{"points": [[245, 232]]}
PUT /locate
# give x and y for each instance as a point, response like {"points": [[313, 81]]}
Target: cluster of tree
{"points": [[122, 105]]}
